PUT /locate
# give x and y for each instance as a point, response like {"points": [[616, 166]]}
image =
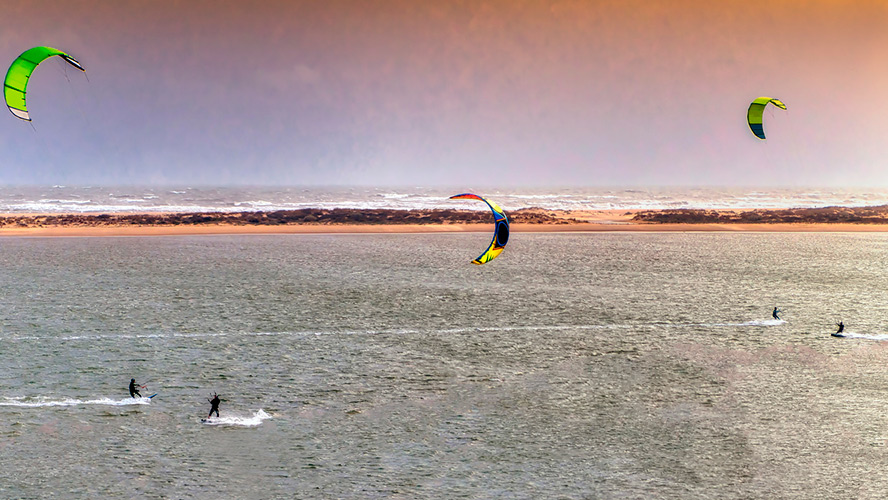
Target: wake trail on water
{"points": [[867, 336], [43, 402], [392, 331], [235, 421], [766, 322]]}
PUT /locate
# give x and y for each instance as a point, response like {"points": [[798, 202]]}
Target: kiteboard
{"points": [[837, 335], [151, 396]]}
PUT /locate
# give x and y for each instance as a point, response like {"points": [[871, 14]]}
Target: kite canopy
{"points": [[754, 114], [16, 84], [500, 232]]}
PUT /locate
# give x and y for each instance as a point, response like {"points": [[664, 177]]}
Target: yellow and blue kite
{"points": [[500, 232], [754, 114]]}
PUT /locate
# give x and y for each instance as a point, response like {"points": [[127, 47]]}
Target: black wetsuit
{"points": [[775, 313], [215, 407], [841, 327], [133, 390]]}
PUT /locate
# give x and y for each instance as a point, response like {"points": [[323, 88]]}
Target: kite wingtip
{"points": [[74, 62], [20, 113]]}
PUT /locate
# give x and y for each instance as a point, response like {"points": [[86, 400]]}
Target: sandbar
{"points": [[356, 221]]}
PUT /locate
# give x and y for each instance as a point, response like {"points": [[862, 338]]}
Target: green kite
{"points": [[16, 84]]}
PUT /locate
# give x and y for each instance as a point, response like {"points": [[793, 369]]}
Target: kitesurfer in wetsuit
{"points": [[134, 389], [841, 327], [215, 405], [775, 313]]}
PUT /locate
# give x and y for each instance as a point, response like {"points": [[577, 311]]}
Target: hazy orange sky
{"points": [[468, 93]]}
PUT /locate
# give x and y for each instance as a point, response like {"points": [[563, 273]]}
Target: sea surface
{"points": [[387, 366], [93, 199]]}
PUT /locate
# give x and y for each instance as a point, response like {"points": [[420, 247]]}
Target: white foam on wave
{"points": [[85, 199], [235, 421], [62, 202], [253, 203], [43, 402], [87, 207]]}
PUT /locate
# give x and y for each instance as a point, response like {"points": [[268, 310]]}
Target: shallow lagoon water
{"points": [[388, 366]]}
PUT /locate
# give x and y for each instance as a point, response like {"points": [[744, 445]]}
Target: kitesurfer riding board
{"points": [[841, 329], [134, 388]]}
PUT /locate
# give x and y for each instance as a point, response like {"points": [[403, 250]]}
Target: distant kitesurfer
{"points": [[215, 405], [775, 313], [134, 389], [841, 327]]}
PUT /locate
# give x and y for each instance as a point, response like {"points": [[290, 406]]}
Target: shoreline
{"points": [[426, 229], [353, 221]]}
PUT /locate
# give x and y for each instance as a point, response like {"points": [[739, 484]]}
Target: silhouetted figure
{"points": [[215, 405], [134, 391], [775, 313], [841, 327]]}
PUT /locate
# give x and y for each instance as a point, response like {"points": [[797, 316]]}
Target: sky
{"points": [[445, 93]]}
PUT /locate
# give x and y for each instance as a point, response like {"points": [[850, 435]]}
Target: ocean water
{"points": [[100, 199], [387, 366]]}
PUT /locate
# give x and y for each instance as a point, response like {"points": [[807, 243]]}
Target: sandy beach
{"points": [[832, 219]]}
